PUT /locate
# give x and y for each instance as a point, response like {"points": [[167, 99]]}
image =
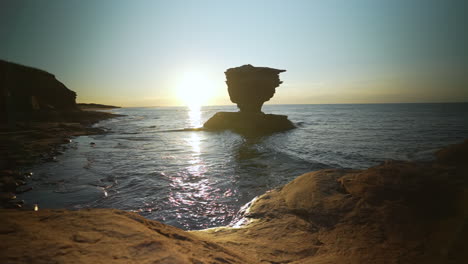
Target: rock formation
{"points": [[249, 87], [396, 212], [28, 94], [25, 89], [249, 123]]}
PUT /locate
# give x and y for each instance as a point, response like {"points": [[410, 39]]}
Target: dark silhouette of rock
{"points": [[25, 89], [36, 113], [249, 87], [249, 123], [95, 106]]}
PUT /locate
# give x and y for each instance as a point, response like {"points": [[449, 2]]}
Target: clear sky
{"points": [[147, 53]]}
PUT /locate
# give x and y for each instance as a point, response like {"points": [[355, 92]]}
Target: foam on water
{"points": [[197, 179]]}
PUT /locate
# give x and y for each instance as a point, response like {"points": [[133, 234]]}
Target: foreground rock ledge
{"points": [[397, 212], [101, 236]]}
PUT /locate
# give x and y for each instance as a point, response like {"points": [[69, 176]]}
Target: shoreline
{"points": [[395, 212], [37, 140]]}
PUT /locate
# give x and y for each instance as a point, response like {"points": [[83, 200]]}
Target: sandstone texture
{"points": [[396, 212], [101, 236]]}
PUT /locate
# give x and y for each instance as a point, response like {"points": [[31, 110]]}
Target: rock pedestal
{"points": [[249, 123], [249, 87]]}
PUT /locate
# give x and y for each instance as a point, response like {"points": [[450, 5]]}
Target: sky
{"points": [[161, 53]]}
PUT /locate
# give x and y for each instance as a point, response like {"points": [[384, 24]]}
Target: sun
{"points": [[195, 88]]}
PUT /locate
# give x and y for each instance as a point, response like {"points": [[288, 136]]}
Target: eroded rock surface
{"points": [[396, 212], [101, 236], [249, 87]]}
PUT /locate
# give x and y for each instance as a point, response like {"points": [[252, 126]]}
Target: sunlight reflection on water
{"points": [[194, 141], [200, 179], [194, 115], [192, 187]]}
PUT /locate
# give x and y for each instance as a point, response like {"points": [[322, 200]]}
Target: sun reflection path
{"points": [[195, 199], [194, 141], [194, 114]]}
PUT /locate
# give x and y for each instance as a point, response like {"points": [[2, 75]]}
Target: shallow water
{"points": [[199, 179]]}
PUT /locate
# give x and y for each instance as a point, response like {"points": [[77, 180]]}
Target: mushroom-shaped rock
{"points": [[249, 87]]}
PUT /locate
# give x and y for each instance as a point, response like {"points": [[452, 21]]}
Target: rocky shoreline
{"points": [[38, 116], [35, 141], [396, 212]]}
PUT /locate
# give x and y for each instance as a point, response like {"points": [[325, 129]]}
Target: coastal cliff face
{"points": [[37, 114], [396, 212], [26, 89]]}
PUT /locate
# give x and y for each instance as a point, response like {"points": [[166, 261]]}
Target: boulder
{"points": [[395, 212]]}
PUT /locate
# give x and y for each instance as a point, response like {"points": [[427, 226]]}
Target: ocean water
{"points": [[198, 179]]}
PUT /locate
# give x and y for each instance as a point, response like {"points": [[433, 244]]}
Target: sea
{"points": [[149, 160]]}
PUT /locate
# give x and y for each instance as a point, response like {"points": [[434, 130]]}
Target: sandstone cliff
{"points": [[25, 89], [37, 113]]}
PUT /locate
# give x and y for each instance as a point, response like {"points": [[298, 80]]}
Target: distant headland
{"points": [[90, 106], [38, 113]]}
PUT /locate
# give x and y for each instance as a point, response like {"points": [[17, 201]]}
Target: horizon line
{"points": [[147, 106]]}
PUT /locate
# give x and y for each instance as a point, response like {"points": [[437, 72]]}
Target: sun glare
{"points": [[195, 88]]}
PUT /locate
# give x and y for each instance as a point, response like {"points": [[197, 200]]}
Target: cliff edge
{"points": [[38, 113], [26, 89]]}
